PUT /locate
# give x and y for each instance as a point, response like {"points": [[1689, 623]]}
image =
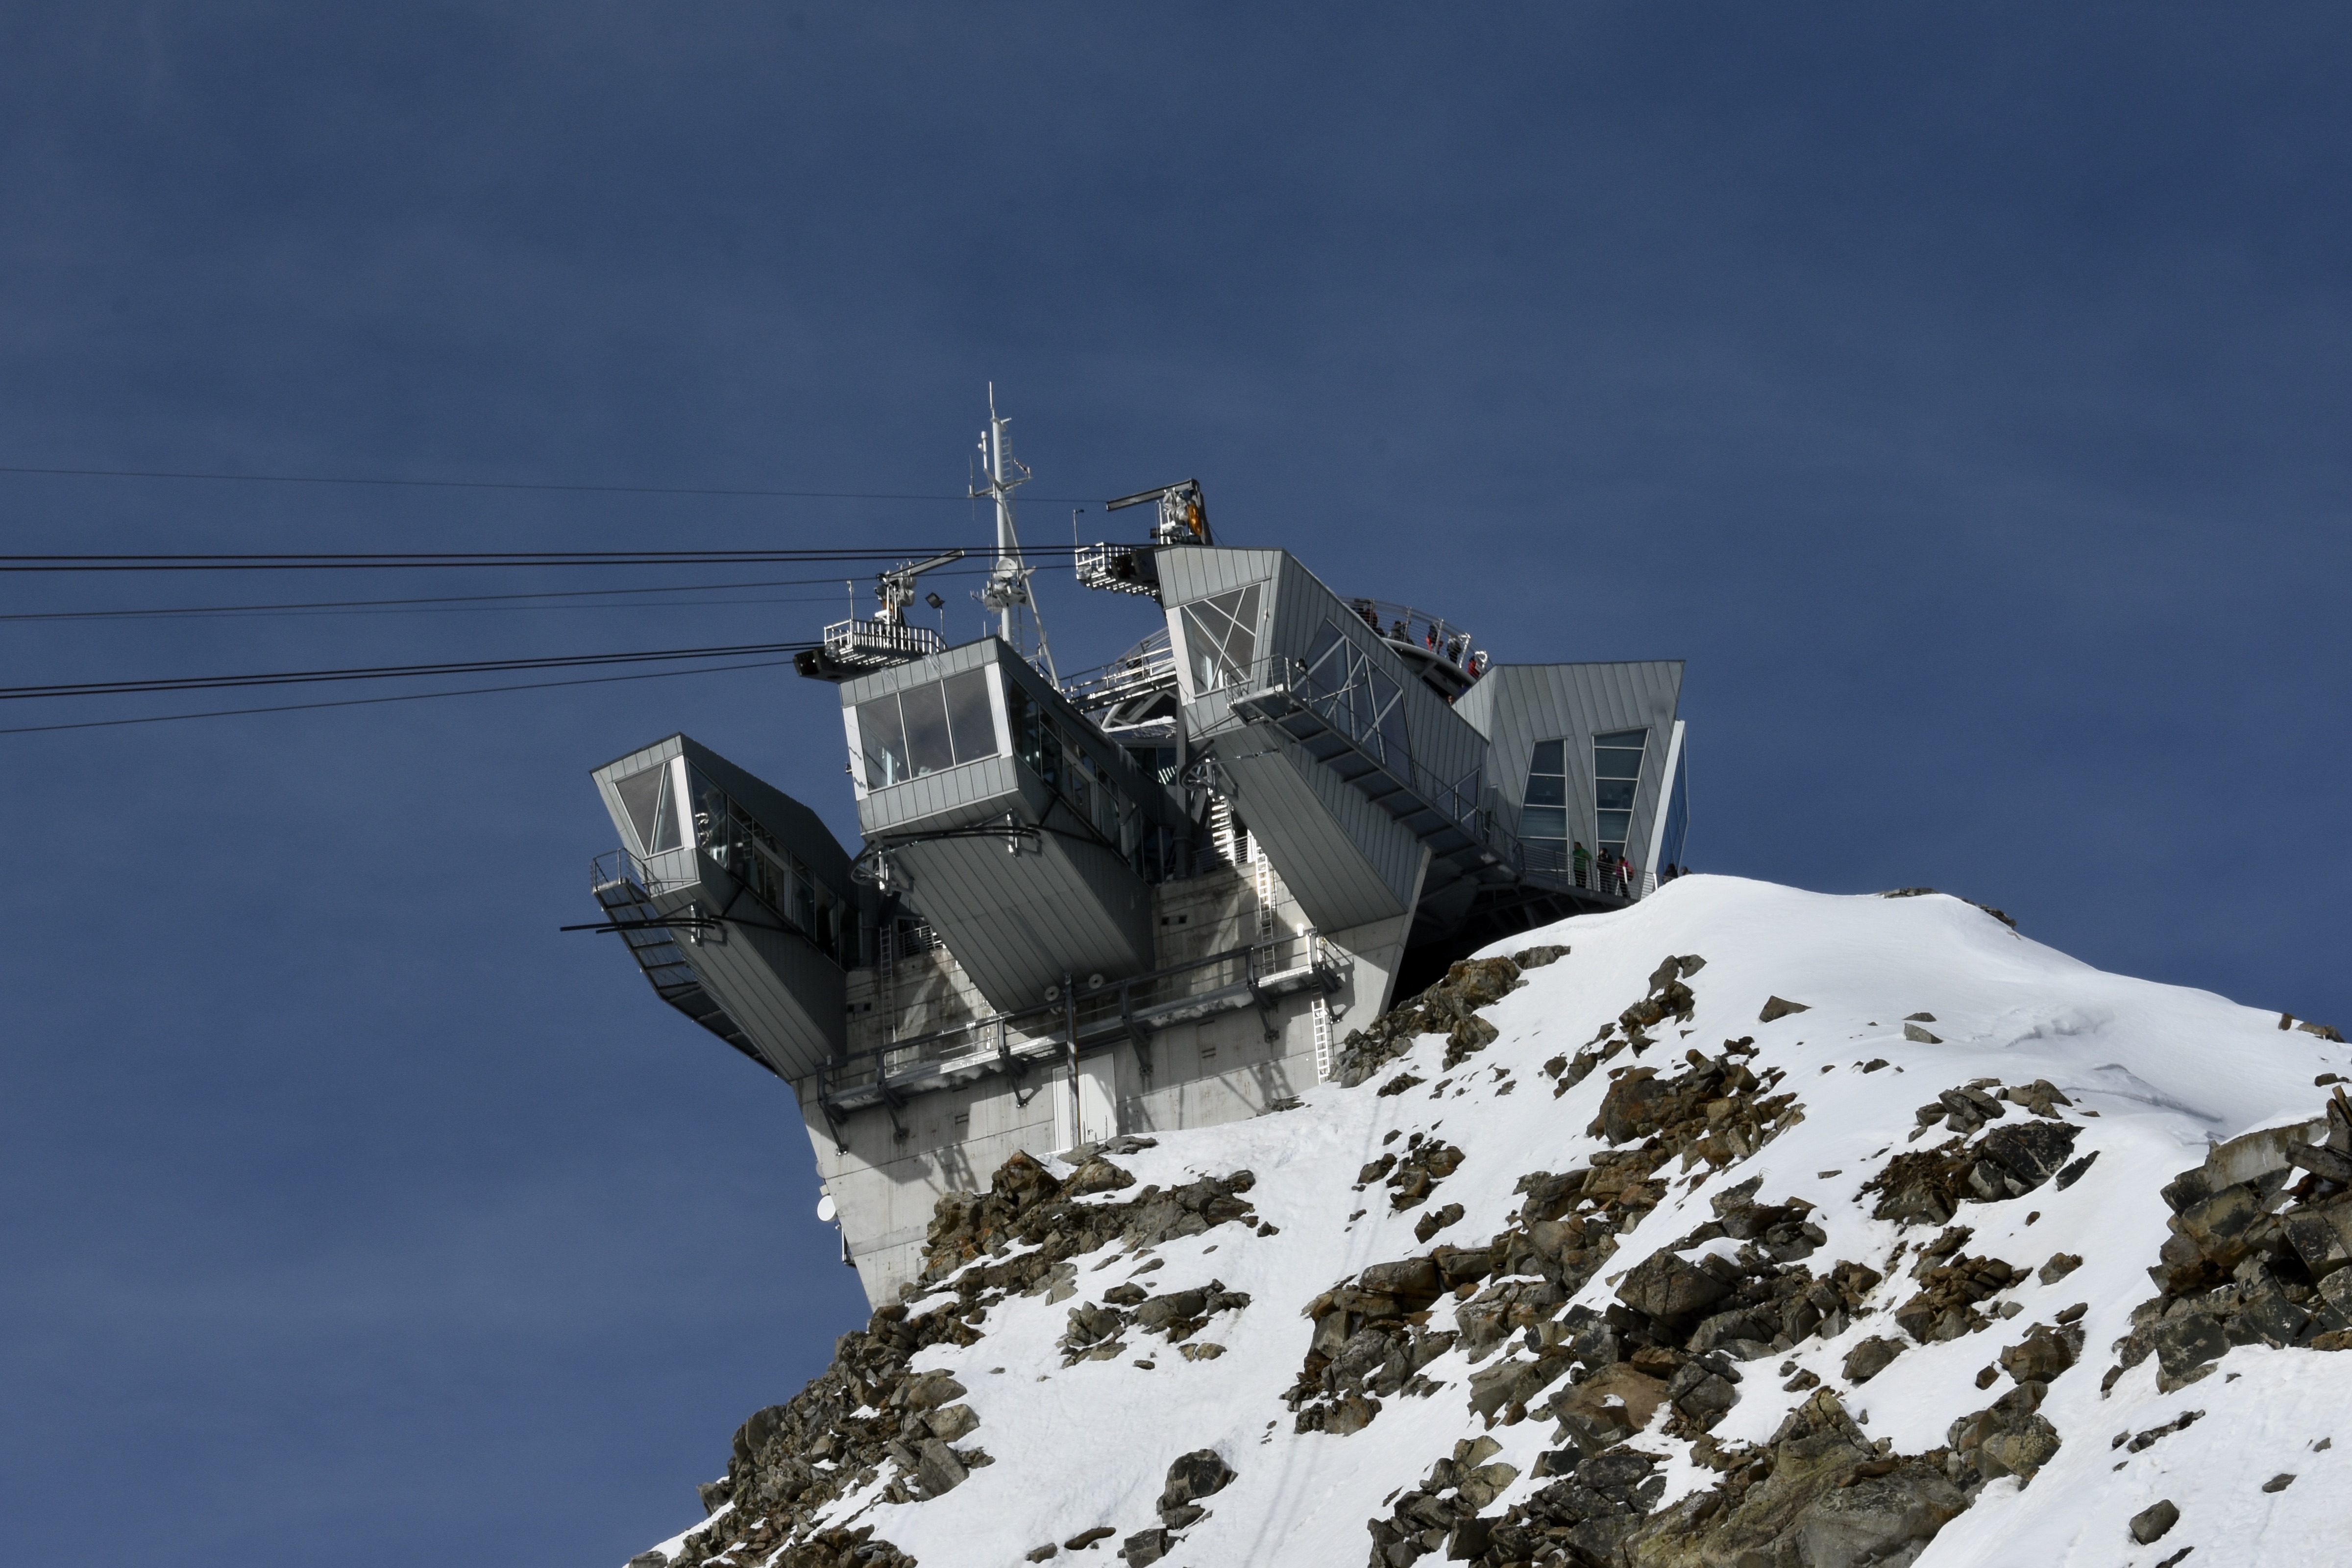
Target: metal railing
{"points": [[877, 644], [1238, 977], [1433, 635], [1117, 569], [1149, 666], [616, 865], [1281, 675], [1617, 880]]}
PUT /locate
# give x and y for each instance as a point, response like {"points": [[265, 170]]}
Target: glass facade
{"points": [[1221, 638], [645, 796], [1677, 826], [1358, 699], [926, 729], [1616, 776], [1090, 791], [1543, 820], [735, 840]]}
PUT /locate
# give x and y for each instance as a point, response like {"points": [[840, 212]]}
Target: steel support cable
{"points": [[472, 560], [484, 601], [397, 697], [502, 485], [388, 672]]}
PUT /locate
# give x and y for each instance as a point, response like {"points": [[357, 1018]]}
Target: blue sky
{"points": [[1960, 390]]}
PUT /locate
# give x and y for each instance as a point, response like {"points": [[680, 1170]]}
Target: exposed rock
{"points": [[1776, 1007], [1821, 1494], [2060, 1265], [1537, 957], [1930, 1185], [1871, 1357], [2150, 1524], [2008, 1437], [1198, 1474], [1449, 1009], [2259, 1242], [1919, 1036], [866, 1417]]}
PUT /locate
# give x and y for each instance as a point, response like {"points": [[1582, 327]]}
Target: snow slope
{"points": [[2154, 1073]]}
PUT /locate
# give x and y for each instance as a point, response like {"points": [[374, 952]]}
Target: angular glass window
{"points": [[1616, 774], [1221, 638], [1326, 663], [926, 709], [971, 719], [1543, 816], [884, 739], [645, 796]]}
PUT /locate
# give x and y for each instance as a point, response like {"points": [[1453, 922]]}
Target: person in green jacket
{"points": [[1582, 859]]}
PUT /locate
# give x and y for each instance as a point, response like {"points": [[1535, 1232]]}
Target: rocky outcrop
{"points": [[865, 1418], [1821, 1493], [2261, 1232], [1450, 1008]]}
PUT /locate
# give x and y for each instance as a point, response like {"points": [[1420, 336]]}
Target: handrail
{"points": [[852, 637], [1287, 675], [1431, 634]]}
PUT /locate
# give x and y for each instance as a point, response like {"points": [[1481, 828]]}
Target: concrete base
{"points": [[886, 1167]]}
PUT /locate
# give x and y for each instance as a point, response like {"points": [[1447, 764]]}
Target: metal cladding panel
{"points": [[1021, 922], [794, 826], [952, 797], [1299, 605], [1525, 704], [991, 787], [1440, 741], [789, 998], [1344, 859], [914, 673]]}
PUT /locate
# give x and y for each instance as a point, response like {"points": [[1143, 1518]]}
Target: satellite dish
{"points": [[825, 1209]]}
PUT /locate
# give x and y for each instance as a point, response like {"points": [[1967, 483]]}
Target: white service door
{"points": [[1097, 1104]]}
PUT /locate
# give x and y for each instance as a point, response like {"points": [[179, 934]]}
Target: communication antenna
{"points": [[1007, 589]]}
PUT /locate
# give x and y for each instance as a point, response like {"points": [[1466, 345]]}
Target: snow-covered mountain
{"points": [[1744, 1227]]}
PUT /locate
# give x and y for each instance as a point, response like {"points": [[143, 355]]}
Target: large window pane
{"points": [[641, 796], [1635, 739], [1614, 828], [925, 709], [884, 739], [1611, 764], [1221, 638], [1326, 662], [1543, 822], [972, 721], [1547, 789], [1614, 795]]}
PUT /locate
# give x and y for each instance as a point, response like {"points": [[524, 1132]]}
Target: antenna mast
{"points": [[1007, 590]]}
